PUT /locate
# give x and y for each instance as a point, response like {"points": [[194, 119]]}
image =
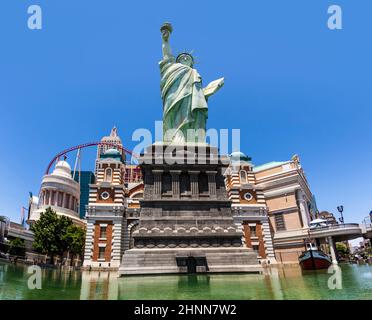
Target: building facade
{"points": [[249, 207], [105, 214], [272, 206], [289, 202], [85, 179]]}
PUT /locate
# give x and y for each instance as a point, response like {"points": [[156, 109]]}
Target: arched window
{"points": [[108, 175], [138, 195], [243, 176]]}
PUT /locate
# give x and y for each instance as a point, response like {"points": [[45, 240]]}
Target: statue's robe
{"points": [[184, 104]]}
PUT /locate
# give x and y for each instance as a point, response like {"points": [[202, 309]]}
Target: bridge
{"points": [[329, 234], [367, 230], [26, 235], [340, 232]]}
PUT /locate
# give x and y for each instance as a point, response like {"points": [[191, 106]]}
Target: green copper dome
{"points": [[111, 153], [239, 156]]}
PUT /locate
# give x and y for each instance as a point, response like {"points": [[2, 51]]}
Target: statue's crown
{"points": [[183, 55]]}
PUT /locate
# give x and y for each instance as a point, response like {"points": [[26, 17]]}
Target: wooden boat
{"points": [[313, 259]]}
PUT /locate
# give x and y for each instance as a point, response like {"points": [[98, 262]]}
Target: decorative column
{"points": [[212, 183], [333, 250], [44, 197], [175, 183], [302, 205], [194, 181], [49, 198], [157, 182]]}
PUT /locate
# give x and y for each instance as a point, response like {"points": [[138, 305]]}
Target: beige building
{"points": [[288, 200], [274, 205]]}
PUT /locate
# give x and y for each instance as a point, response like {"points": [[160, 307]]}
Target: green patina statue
{"points": [[185, 108]]}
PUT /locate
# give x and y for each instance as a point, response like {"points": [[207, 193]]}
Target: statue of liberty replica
{"points": [[185, 108], [185, 224]]}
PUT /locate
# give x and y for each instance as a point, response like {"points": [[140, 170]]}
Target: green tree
{"points": [[49, 232], [342, 248], [17, 247], [75, 240]]}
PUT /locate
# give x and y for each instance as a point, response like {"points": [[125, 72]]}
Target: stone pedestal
{"points": [[186, 223]]}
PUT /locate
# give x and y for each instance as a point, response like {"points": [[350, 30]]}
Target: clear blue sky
{"points": [[291, 85]]}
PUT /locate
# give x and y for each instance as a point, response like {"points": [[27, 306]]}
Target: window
{"points": [[108, 175], [72, 206], [243, 177], [67, 201], [203, 184], [60, 199], [253, 231], [185, 186], [166, 186], [138, 195], [53, 197], [103, 232], [255, 248], [101, 252], [279, 221]]}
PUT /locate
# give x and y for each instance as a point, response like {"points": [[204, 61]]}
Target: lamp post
{"points": [[341, 210]]}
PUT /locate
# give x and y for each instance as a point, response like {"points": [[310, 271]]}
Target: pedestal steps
{"points": [[144, 261]]}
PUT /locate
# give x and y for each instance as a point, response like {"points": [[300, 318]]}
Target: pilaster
{"points": [[194, 181], [175, 183]]}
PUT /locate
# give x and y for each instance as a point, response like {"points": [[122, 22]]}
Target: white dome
{"points": [[62, 169]]}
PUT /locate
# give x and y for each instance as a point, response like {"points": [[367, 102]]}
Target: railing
{"points": [[335, 226], [367, 224]]}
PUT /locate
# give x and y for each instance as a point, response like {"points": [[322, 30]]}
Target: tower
{"points": [[105, 212], [249, 206]]}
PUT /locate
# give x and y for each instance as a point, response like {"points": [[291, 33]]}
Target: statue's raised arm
{"points": [[166, 29], [185, 106]]}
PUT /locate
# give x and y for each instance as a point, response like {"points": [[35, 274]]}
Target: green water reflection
{"points": [[277, 283]]}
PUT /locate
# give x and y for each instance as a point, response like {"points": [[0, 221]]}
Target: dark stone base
{"points": [[186, 222]]}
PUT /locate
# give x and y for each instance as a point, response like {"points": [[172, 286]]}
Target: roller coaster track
{"points": [[83, 146]]}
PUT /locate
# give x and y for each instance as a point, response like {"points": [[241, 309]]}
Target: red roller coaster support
{"points": [[83, 146]]}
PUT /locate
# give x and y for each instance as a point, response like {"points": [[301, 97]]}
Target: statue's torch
{"points": [[166, 29]]}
